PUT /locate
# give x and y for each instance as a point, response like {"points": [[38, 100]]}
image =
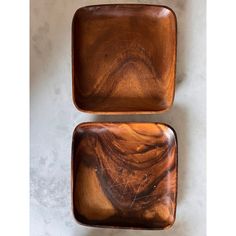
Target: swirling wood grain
{"points": [[124, 58], [124, 174]]}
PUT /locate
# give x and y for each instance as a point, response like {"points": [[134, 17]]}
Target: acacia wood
{"points": [[124, 175], [124, 58]]}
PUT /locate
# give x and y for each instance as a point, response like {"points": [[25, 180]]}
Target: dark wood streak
{"points": [[115, 186], [119, 158], [124, 58]]}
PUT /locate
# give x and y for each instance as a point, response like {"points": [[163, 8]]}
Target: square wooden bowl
{"points": [[124, 175], [124, 58]]}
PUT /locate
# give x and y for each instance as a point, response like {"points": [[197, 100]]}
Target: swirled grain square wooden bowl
{"points": [[124, 175], [124, 58]]}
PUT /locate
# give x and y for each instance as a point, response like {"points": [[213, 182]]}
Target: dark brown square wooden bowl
{"points": [[124, 58], [124, 175]]}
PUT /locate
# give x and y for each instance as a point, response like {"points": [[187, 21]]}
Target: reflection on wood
{"points": [[125, 174], [124, 58]]}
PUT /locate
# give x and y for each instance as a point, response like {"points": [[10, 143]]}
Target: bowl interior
{"points": [[124, 58], [124, 175]]}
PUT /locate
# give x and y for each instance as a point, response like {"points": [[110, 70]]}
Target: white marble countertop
{"points": [[53, 118]]}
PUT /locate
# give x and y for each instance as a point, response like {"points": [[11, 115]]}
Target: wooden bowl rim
{"points": [[122, 112], [72, 177]]}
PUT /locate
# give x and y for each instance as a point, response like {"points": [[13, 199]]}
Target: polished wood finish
{"points": [[124, 58], [124, 175]]}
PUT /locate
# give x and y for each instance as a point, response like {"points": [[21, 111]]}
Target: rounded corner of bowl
{"points": [[173, 131], [78, 10], [170, 224], [75, 15], [79, 221], [78, 106], [171, 11]]}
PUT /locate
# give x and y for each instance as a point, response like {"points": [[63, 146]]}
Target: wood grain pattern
{"points": [[124, 58], [124, 175]]}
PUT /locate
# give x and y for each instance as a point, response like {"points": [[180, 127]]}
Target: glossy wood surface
{"points": [[124, 58], [124, 175]]}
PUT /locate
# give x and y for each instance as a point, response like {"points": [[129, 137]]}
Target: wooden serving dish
{"points": [[124, 175], [124, 58]]}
